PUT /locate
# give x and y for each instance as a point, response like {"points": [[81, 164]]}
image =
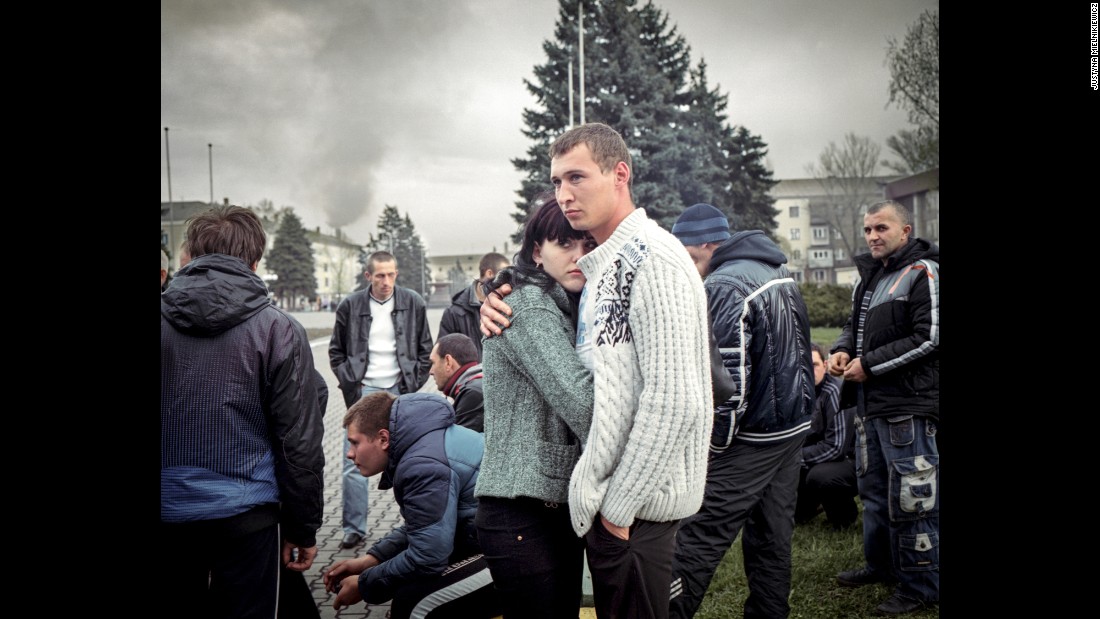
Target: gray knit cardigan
{"points": [[538, 399]]}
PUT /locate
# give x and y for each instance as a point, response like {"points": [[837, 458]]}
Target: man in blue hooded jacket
{"points": [[241, 418], [431, 565], [759, 320]]}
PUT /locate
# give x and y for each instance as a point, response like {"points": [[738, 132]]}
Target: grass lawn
{"points": [[817, 555], [825, 336]]}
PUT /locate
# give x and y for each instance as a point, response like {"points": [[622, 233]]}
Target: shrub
{"points": [[828, 305]]}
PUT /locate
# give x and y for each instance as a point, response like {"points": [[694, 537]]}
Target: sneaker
{"points": [[899, 605], [351, 540], [861, 577]]}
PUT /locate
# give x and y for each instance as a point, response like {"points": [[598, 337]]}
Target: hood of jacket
{"points": [[915, 249], [747, 245], [213, 293], [413, 415]]}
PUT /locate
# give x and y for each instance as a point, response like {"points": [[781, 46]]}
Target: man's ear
{"points": [[384, 438], [622, 173]]}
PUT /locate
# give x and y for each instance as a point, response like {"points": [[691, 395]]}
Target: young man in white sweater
{"points": [[643, 332]]}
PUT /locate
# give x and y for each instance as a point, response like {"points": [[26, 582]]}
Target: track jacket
{"points": [[898, 340], [763, 332]]}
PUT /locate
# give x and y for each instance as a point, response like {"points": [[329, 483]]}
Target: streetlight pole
{"points": [[210, 151], [171, 210]]}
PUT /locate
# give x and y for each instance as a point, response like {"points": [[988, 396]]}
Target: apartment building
{"points": [[816, 251]]}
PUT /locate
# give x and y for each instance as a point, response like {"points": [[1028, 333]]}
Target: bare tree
{"points": [[846, 174], [344, 262]]}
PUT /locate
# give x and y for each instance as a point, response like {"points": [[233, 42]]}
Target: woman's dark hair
{"points": [[545, 222]]}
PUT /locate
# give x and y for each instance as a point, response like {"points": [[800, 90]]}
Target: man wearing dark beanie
{"points": [[763, 332]]}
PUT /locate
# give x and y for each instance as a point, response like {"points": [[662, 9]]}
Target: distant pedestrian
{"points": [[241, 410], [380, 342], [458, 375], [462, 316], [163, 269], [431, 565]]}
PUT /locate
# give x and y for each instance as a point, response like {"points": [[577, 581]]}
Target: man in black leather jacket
{"points": [[380, 342]]}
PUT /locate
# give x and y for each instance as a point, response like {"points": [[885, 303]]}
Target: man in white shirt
{"points": [[380, 342]]}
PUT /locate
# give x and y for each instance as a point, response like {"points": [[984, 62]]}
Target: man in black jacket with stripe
{"points": [[888, 354]]}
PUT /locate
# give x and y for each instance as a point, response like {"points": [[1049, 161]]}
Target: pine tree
{"points": [[291, 260], [397, 235], [637, 71]]}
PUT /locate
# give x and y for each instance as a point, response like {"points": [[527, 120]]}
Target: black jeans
{"points": [[535, 557], [630, 578]]}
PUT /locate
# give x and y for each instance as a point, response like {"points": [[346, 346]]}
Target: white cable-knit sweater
{"points": [[646, 454]]}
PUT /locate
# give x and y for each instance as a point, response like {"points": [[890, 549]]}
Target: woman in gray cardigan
{"points": [[538, 406]]}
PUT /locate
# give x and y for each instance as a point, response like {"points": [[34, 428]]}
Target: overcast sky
{"points": [[339, 107]]}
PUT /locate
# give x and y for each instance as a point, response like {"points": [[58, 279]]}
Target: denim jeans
{"points": [[354, 485], [898, 473]]}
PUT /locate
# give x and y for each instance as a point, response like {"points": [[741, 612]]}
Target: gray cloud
{"points": [[338, 107]]}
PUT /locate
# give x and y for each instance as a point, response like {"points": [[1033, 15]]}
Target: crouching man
{"points": [[431, 565]]}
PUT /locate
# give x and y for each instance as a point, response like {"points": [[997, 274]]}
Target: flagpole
{"points": [[580, 34]]}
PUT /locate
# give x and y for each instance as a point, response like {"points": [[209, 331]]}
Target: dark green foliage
{"points": [[291, 260], [638, 79], [828, 305], [397, 235]]}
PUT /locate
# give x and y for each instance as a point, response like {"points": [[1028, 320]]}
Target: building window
{"points": [[819, 254], [836, 235], [840, 253], [821, 234], [326, 282], [796, 234], [819, 275], [797, 275], [796, 254], [794, 212]]}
